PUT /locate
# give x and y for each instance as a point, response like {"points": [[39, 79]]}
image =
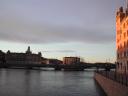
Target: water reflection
{"points": [[21, 82]]}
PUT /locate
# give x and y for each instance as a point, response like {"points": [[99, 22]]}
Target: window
{"points": [[124, 44], [124, 25], [117, 65], [124, 54], [120, 31], [118, 55], [127, 22], [118, 47], [124, 35], [127, 43], [121, 65], [127, 65]]}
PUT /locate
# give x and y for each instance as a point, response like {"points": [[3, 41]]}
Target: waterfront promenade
{"points": [[113, 83], [120, 78]]}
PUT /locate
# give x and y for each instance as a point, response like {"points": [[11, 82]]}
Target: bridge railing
{"points": [[120, 78]]}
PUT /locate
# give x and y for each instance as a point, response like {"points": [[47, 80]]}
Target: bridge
{"points": [[75, 67]]}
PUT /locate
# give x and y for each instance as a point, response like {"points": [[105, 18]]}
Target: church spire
{"points": [[28, 50]]}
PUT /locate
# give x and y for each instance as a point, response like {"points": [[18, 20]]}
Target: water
{"points": [[21, 82]]}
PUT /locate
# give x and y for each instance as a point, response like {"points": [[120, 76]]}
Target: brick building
{"points": [[71, 60]]}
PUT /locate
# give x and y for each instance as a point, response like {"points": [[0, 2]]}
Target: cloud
{"points": [[25, 25], [19, 31]]}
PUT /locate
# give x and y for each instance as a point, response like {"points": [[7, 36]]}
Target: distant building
{"points": [[23, 58], [71, 60], [122, 40], [2, 57]]}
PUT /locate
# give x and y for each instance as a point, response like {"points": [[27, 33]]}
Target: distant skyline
{"points": [[60, 28]]}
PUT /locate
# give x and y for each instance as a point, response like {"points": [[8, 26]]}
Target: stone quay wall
{"points": [[111, 87]]}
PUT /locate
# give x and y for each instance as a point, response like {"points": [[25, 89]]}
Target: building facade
{"points": [[71, 60], [2, 57], [122, 40], [23, 58]]}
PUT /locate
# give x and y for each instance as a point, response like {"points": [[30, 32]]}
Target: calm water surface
{"points": [[21, 82]]}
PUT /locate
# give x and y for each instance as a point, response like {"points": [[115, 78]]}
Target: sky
{"points": [[59, 28]]}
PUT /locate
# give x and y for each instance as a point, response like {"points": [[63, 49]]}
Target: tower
{"points": [[28, 50], [39, 53]]}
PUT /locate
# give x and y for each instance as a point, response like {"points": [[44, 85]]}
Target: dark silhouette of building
{"points": [[2, 57], [23, 58]]}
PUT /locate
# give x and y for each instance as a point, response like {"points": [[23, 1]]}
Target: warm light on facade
{"points": [[71, 60], [122, 40]]}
